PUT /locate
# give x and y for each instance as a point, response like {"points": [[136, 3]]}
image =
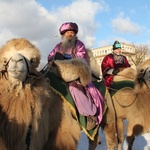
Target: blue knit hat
{"points": [[116, 45]]}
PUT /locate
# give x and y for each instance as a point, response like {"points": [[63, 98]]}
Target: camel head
{"points": [[147, 75], [18, 57], [17, 67], [143, 75], [94, 65]]}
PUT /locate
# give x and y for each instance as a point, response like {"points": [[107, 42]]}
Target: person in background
{"points": [[113, 63], [88, 100]]}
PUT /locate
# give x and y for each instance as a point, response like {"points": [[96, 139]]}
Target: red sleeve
{"points": [[107, 63]]}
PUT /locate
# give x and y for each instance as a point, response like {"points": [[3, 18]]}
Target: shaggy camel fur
{"points": [[31, 115], [133, 105], [70, 70]]}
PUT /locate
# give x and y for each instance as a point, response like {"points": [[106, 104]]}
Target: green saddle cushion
{"points": [[120, 85], [63, 89]]}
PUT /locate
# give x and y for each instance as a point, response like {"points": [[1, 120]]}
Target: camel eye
{"points": [[5, 60], [32, 61], [142, 70]]}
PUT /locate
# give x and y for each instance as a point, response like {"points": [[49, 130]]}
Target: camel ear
{"points": [[94, 65], [70, 70]]}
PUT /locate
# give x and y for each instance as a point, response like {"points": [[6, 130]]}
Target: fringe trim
{"points": [[64, 99]]}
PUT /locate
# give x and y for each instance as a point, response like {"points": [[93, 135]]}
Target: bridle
{"points": [[141, 77], [30, 75]]}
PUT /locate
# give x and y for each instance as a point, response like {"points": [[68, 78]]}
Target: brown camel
{"points": [[69, 70], [133, 104]]}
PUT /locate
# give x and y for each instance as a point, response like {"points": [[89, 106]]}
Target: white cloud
{"points": [[83, 13], [125, 25], [110, 40], [30, 20]]}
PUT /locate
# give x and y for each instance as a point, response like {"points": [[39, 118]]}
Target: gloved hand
{"points": [[115, 71], [67, 56], [59, 56]]}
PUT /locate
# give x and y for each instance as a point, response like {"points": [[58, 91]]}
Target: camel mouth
{"points": [[17, 74], [16, 71]]}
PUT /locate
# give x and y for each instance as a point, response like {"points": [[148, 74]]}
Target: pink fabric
{"points": [[84, 104], [92, 104], [98, 100]]}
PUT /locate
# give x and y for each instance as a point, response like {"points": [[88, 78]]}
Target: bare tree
{"points": [[141, 52]]}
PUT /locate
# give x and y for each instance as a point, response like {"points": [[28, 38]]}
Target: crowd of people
{"points": [[88, 100]]}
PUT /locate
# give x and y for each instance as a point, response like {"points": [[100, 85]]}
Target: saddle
{"points": [[62, 89], [116, 86]]}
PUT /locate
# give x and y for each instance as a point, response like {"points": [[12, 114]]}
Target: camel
{"points": [[132, 104], [69, 70], [32, 115]]}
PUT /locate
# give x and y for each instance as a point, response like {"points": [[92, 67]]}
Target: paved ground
{"points": [[141, 142]]}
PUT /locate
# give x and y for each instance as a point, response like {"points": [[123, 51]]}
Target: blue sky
{"points": [[100, 22]]}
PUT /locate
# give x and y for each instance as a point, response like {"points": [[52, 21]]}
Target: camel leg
{"points": [[109, 125], [93, 144], [110, 136], [120, 133], [132, 131], [68, 134], [130, 140]]}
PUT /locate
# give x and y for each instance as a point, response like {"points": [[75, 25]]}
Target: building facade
{"points": [[127, 49]]}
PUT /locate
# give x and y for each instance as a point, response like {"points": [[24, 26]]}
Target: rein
{"points": [[126, 94], [28, 136], [126, 105], [116, 90], [34, 76], [141, 78]]}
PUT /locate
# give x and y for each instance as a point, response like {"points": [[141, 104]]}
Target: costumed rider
{"points": [[113, 63], [89, 101]]}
